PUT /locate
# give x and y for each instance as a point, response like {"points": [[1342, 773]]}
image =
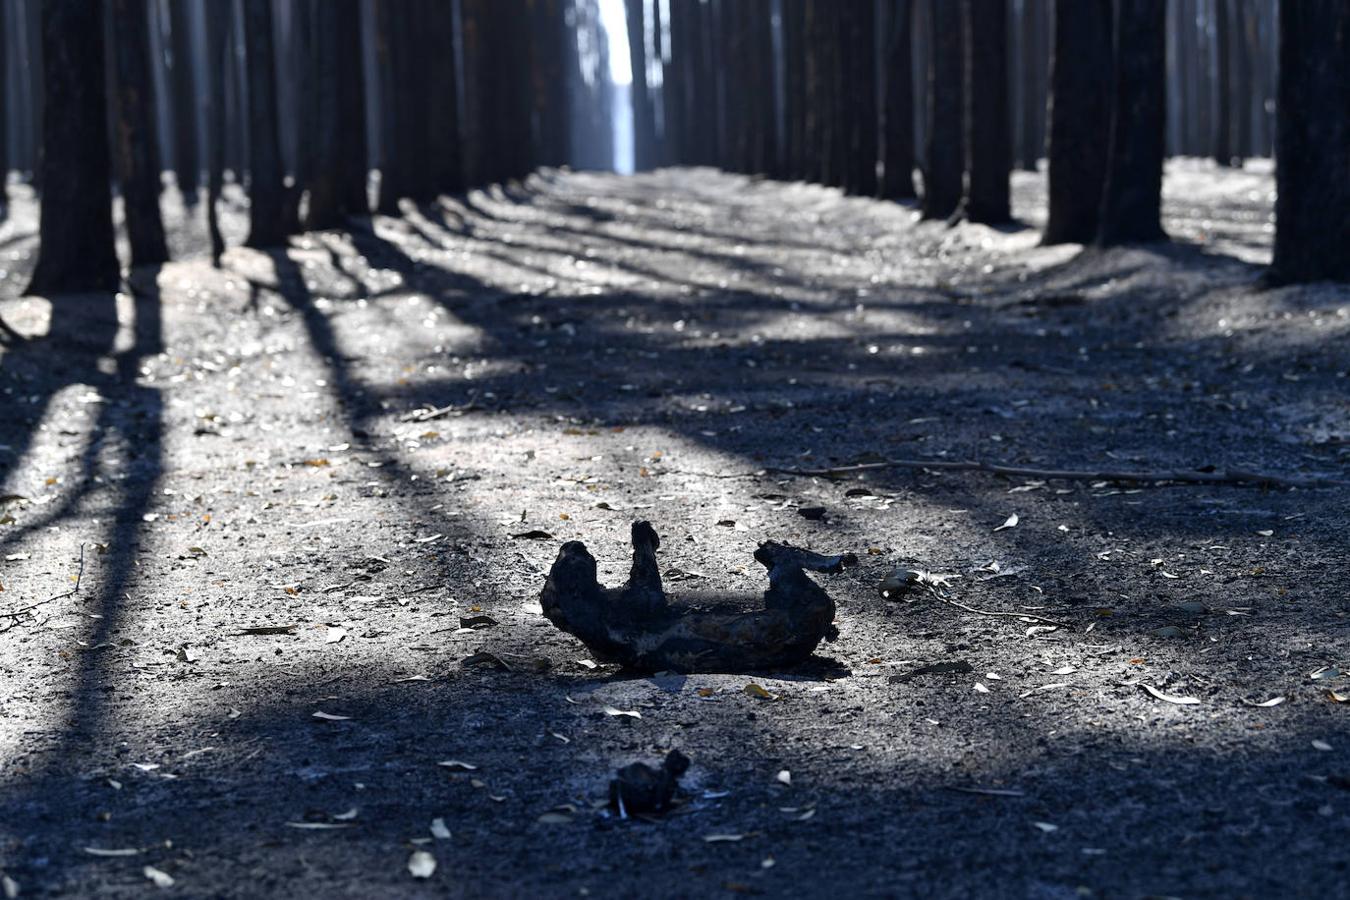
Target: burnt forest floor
{"points": [[356, 442]]}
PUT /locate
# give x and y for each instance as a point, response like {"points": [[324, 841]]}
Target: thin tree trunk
{"points": [[942, 177], [386, 31], [1243, 89], [863, 119], [76, 252], [1312, 144], [643, 123], [898, 142], [1132, 198], [33, 36], [1033, 91], [988, 142], [300, 64], [218, 27], [444, 140], [1080, 119], [184, 92], [325, 193], [138, 163], [350, 87], [1223, 85], [266, 187], [4, 113]]}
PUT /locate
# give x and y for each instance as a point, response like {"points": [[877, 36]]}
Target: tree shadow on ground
{"points": [[290, 802]]}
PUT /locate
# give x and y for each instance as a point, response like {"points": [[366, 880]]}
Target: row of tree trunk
{"points": [[828, 98], [436, 134]]}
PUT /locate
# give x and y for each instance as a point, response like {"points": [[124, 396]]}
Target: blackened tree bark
{"points": [[661, 113], [219, 18], [644, 120], [1223, 85], [1312, 143], [445, 158], [945, 156], [350, 85], [1080, 119], [1132, 197], [137, 161], [404, 169], [794, 91], [898, 141], [988, 141], [267, 190], [1032, 109], [325, 192], [859, 54], [75, 250], [1243, 88], [763, 108], [548, 81], [300, 59], [4, 118], [183, 87], [385, 33], [36, 126]]}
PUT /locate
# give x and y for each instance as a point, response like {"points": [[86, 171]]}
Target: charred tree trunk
{"points": [[676, 88], [386, 30], [447, 166], [267, 189], [4, 115], [325, 190], [988, 142], [816, 125], [859, 59], [1243, 89], [33, 36], [1223, 85], [75, 250], [301, 67], [353, 162], [137, 161], [945, 157], [644, 127], [794, 90], [405, 171], [898, 142], [1312, 143], [1080, 119], [1032, 110], [218, 26], [762, 102], [184, 91], [1132, 197]]}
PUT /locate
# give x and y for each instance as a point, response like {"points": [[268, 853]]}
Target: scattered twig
{"points": [[15, 615], [440, 412], [1186, 476], [1004, 615], [937, 588]]}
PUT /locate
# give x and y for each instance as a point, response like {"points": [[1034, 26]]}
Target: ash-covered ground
{"points": [[238, 498]]}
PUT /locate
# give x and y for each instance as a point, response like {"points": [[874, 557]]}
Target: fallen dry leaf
{"points": [[1169, 698], [160, 878]]}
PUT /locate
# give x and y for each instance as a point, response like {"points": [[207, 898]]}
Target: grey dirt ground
{"points": [[342, 445]]}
